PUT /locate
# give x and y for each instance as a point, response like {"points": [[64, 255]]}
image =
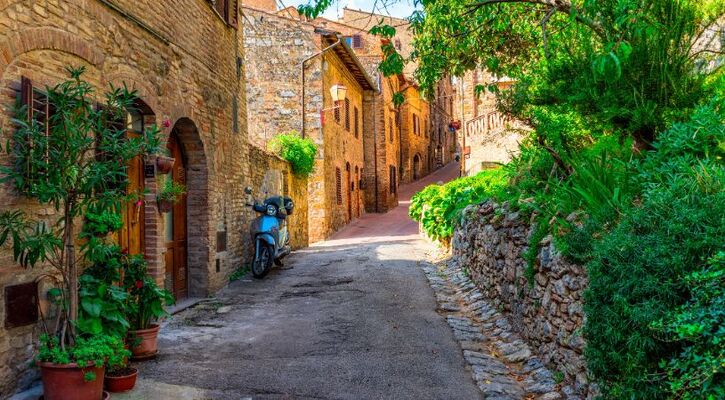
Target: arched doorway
{"points": [[348, 179], [175, 233], [416, 167], [194, 261]]}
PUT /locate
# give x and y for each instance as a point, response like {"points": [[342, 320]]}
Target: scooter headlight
{"points": [[271, 210]]}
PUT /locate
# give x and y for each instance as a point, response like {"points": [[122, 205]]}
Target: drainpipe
{"points": [[375, 147], [302, 67]]}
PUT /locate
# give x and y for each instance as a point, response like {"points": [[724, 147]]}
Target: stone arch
{"points": [[47, 39], [198, 219], [143, 90]]}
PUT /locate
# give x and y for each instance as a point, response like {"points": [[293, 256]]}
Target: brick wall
{"points": [[182, 59]]}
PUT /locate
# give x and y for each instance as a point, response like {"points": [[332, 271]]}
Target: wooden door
{"points": [[132, 233], [175, 223]]}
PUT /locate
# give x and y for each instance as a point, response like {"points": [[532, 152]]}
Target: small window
{"points": [[338, 186], [337, 113], [393, 180], [357, 42], [398, 45], [356, 122], [392, 129], [347, 115], [425, 128]]}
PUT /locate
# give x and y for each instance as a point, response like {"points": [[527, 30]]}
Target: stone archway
{"points": [[198, 257]]}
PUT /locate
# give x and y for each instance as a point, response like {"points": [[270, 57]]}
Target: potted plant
{"points": [[121, 377], [77, 372], [146, 305], [77, 166], [169, 194]]}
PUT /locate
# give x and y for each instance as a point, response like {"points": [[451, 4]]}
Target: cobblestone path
{"points": [[502, 365]]}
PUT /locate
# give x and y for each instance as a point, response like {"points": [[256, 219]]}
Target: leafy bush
{"points": [[300, 152], [638, 269], [438, 207], [698, 372]]}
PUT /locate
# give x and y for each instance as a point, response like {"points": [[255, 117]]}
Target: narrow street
{"points": [[353, 319]]}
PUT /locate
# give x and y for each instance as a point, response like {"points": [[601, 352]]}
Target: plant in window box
{"points": [[75, 161], [145, 306], [170, 194]]}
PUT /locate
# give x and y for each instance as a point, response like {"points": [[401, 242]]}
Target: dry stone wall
{"points": [[491, 243]]}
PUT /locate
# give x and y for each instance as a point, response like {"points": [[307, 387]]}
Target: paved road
{"points": [[353, 319]]}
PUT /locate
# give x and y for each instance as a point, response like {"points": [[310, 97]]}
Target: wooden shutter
{"points": [[233, 13], [26, 96], [356, 42], [338, 185], [356, 121], [347, 115], [337, 113]]}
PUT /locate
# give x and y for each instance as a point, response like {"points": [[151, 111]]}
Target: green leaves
{"points": [[299, 152]]}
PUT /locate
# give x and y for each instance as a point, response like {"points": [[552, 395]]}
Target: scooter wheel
{"points": [[263, 262]]}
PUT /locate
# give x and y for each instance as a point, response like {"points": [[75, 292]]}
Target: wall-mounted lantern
{"points": [[338, 93]]}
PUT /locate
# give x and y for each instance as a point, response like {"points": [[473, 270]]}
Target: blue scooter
{"points": [[269, 232]]}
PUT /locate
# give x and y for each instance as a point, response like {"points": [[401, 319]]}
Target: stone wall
{"points": [[548, 314]]}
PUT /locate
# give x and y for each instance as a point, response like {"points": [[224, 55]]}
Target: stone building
{"points": [[302, 61], [184, 59], [488, 137]]}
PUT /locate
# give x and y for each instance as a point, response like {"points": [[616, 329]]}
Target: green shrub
{"points": [[639, 268], [698, 372], [299, 152], [438, 207]]}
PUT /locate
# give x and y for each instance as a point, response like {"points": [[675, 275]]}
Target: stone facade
{"points": [[491, 137], [276, 47], [415, 135], [548, 314], [182, 58]]}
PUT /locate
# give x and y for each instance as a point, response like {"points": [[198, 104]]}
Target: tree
{"points": [[75, 164]]}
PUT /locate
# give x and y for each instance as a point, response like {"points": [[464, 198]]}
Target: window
{"points": [[393, 180], [227, 9], [356, 121], [392, 129], [416, 127], [347, 115], [425, 128], [338, 186], [398, 45], [337, 113], [357, 42], [39, 109]]}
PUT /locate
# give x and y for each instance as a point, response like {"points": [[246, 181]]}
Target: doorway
{"points": [[175, 227], [416, 167]]}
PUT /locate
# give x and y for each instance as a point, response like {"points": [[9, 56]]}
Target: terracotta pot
{"points": [[165, 206], [120, 384], [164, 164], [148, 345], [66, 382]]}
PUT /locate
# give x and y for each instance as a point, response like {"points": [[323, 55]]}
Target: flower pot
{"points": [[120, 382], [67, 382], [144, 343], [164, 164], [165, 206]]}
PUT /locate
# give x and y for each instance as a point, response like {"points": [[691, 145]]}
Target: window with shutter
{"points": [[338, 185], [337, 113], [347, 115], [356, 121], [425, 128], [39, 111], [392, 130], [357, 42]]}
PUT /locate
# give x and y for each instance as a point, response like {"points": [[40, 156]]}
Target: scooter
{"points": [[269, 232]]}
